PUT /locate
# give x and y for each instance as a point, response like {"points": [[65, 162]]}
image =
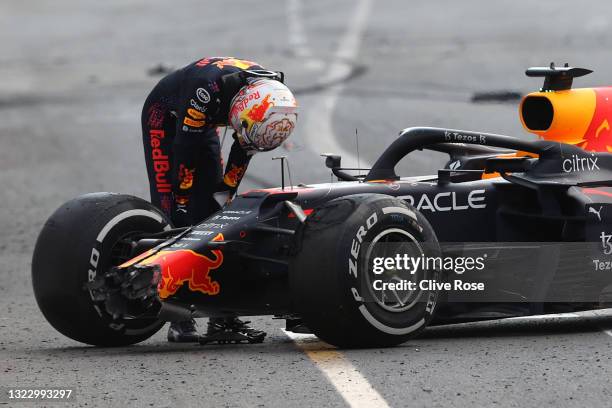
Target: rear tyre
{"points": [[332, 287], [84, 238]]}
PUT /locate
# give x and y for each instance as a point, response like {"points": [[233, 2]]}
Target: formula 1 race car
{"points": [[526, 227]]}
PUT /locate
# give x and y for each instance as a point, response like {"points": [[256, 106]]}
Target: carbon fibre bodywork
{"points": [[560, 193]]}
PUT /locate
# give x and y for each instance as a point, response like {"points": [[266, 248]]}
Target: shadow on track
{"points": [[280, 344], [528, 327], [274, 344]]}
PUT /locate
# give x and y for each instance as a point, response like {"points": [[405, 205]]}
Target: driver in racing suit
{"points": [[180, 118]]}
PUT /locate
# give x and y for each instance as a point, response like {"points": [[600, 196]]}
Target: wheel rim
{"points": [[386, 244], [121, 251]]}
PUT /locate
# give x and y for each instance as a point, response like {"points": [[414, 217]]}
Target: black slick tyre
{"points": [[332, 286]]}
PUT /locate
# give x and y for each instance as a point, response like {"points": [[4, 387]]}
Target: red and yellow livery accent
{"points": [[579, 116], [183, 266]]}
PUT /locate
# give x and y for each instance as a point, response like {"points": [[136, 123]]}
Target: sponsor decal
{"points": [[185, 177], [257, 112], [447, 201], [179, 245], [212, 225], [454, 165], [166, 204], [576, 164], [195, 114], [356, 243], [205, 61], [602, 265], [192, 130], [203, 95], [606, 245], [214, 86], [457, 137], [597, 212], [193, 123], [161, 163], [156, 116], [241, 212], [94, 258], [225, 217], [234, 175], [198, 107], [221, 62], [243, 100], [181, 203], [185, 266], [197, 232], [233, 62]]}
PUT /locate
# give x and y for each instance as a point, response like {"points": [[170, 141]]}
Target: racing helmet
{"points": [[263, 113]]}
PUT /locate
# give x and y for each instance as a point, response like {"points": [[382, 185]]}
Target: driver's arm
{"points": [[236, 167]]}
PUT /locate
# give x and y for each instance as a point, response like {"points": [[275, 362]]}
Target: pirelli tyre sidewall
{"points": [[79, 242], [329, 284]]}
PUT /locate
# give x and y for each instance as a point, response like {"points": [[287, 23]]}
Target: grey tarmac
{"points": [[73, 77]]}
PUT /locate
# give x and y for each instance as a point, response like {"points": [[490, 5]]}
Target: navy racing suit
{"points": [[180, 121]]}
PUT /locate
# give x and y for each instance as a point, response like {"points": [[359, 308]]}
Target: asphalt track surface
{"points": [[73, 76]]}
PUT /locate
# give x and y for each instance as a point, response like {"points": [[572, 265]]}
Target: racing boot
{"points": [[183, 332], [296, 325], [231, 330]]}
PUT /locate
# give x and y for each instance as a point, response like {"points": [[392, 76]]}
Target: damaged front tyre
{"points": [[80, 243]]}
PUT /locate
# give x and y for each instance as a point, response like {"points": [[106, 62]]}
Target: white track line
{"points": [[318, 125], [297, 36], [350, 383]]}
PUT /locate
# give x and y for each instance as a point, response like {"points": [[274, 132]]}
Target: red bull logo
{"points": [[233, 62], [598, 136], [256, 113], [185, 177], [181, 267], [578, 116], [226, 62], [161, 162], [233, 177]]}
